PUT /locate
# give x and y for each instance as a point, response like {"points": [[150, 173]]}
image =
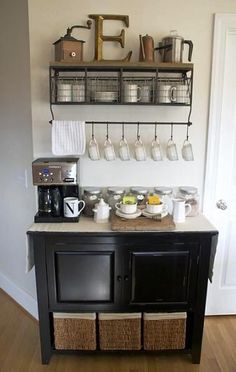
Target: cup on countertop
{"points": [[71, 206], [126, 208], [156, 208]]}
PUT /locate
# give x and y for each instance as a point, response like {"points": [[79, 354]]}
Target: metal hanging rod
{"points": [[105, 122]]}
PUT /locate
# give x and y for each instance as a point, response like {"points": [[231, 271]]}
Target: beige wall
{"points": [[17, 204], [193, 20]]}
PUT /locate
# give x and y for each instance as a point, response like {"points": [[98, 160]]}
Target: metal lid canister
{"points": [[114, 195], [141, 193], [91, 196]]}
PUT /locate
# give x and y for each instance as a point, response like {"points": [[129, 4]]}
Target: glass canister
{"points": [[114, 195], [166, 195], [91, 196], [190, 194], [141, 194]]}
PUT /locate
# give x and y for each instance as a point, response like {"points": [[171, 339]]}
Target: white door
{"points": [[220, 185]]}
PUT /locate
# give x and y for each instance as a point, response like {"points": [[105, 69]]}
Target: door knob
{"points": [[221, 204]]}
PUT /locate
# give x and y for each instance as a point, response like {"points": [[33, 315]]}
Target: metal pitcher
{"points": [[171, 48], [146, 51]]}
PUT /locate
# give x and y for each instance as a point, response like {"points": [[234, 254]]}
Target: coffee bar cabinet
{"points": [[88, 271]]}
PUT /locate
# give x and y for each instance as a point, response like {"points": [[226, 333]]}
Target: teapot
{"points": [[146, 51], [171, 48], [101, 211]]}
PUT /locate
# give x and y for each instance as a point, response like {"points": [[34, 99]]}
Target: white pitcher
{"points": [[180, 210], [101, 212]]}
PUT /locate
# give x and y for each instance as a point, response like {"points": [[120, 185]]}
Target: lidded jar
{"points": [[114, 195], [141, 194], [190, 195], [166, 195], [91, 196]]}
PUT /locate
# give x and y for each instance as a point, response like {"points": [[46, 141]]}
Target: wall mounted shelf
{"points": [[121, 83]]}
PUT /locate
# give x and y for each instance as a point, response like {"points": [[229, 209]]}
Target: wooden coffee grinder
{"points": [[69, 49]]}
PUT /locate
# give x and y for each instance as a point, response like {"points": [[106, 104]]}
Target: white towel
{"points": [[68, 137]]}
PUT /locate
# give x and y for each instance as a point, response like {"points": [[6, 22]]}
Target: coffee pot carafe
{"points": [[171, 48], [146, 51]]}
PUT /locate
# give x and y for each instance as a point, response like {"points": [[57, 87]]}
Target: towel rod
{"points": [[104, 122]]}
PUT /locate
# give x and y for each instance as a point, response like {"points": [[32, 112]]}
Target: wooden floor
{"points": [[20, 349]]}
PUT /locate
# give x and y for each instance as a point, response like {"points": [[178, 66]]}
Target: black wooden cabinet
{"points": [[123, 272]]}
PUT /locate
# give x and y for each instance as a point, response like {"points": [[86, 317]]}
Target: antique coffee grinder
{"points": [[69, 49]]}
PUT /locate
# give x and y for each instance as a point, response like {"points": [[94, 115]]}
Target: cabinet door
{"points": [[82, 275], [163, 275]]}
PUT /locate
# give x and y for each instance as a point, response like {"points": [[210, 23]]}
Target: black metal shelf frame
{"points": [[95, 77]]}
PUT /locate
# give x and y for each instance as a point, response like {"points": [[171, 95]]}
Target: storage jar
{"points": [[166, 195], [141, 194], [190, 195], [91, 196], [114, 195]]}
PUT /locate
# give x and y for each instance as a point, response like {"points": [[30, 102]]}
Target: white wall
{"points": [[17, 203], [193, 20]]}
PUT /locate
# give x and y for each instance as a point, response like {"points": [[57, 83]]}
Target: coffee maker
{"points": [[56, 179]]}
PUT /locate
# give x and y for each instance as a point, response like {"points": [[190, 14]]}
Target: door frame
{"points": [[225, 24]]}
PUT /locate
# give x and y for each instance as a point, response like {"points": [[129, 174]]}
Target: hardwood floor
{"points": [[20, 349]]}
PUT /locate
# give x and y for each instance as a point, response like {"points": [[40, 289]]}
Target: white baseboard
{"points": [[19, 295]]}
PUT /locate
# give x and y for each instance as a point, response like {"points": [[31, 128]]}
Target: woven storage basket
{"points": [[165, 331], [120, 331], [75, 331]]}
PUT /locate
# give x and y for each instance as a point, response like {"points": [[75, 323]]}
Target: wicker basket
{"points": [[120, 331], [75, 331], [165, 331]]}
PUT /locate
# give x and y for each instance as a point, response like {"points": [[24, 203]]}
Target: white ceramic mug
{"points": [[126, 208], [139, 150], [131, 93], [181, 94], [156, 208], [78, 92], [171, 150], [156, 150], [64, 93], [71, 206], [180, 210], [93, 149], [145, 93], [187, 151], [109, 151], [165, 93], [124, 152]]}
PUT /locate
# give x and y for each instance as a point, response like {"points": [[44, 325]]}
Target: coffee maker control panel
{"points": [[55, 171]]}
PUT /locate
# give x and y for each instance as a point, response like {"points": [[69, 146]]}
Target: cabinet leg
{"points": [[196, 356]]}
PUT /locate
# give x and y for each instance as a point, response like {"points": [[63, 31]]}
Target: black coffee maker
{"points": [[55, 178]]}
